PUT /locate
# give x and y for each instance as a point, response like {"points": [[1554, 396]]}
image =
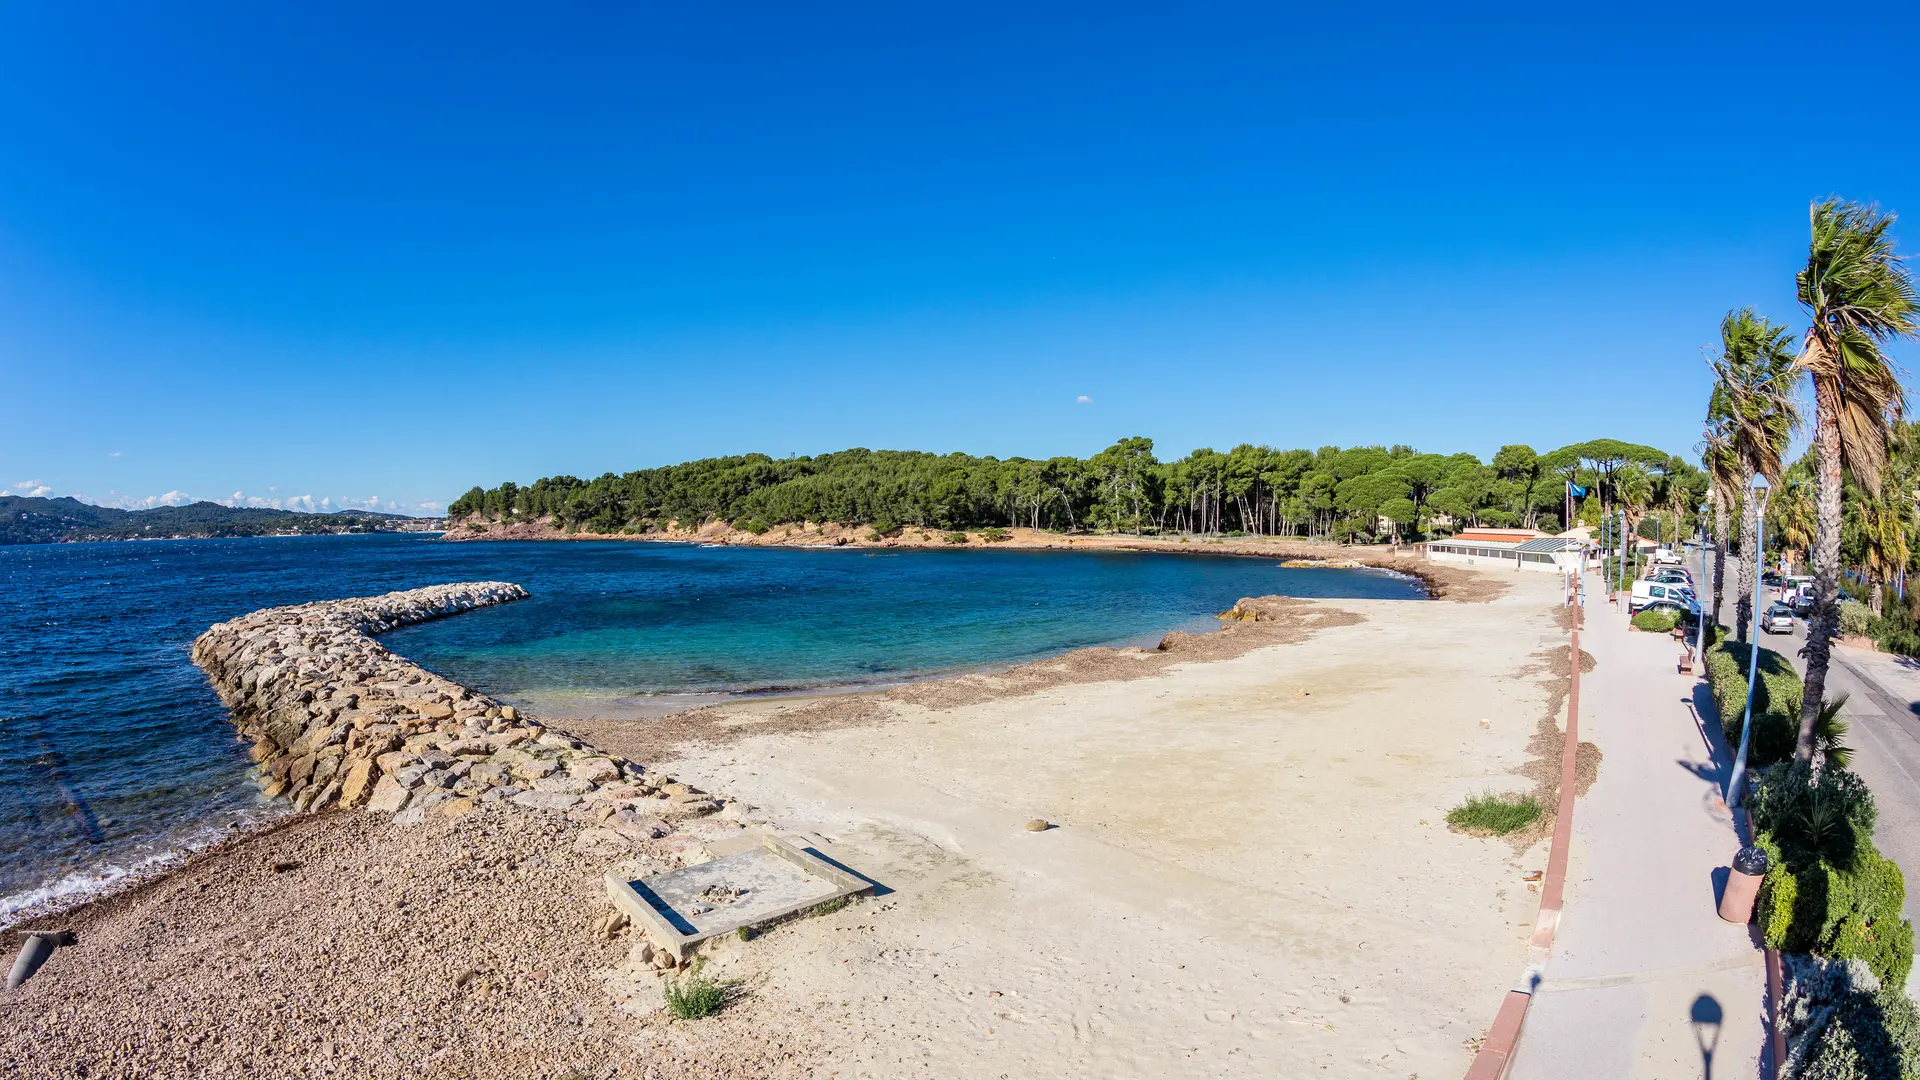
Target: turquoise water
{"points": [[643, 619], [114, 751]]}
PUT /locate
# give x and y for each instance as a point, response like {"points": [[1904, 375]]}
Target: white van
{"points": [[1648, 594], [1664, 556]]}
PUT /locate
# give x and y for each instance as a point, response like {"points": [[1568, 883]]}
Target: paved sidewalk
{"points": [[1640, 952]]}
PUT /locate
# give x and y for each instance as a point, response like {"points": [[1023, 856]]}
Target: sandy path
{"points": [[1250, 873]]}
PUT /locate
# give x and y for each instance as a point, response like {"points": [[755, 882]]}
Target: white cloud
{"points": [[25, 484], [429, 505], [304, 504], [1083, 400], [135, 502], [40, 491], [113, 453]]}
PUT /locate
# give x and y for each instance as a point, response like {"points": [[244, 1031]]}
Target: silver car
{"points": [[1777, 620]]}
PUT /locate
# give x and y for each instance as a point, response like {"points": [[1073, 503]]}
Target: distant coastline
{"points": [[27, 520]]}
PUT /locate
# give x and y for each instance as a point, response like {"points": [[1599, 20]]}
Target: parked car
{"points": [[1670, 576], [1665, 557], [1799, 597], [1649, 594], [1777, 620]]}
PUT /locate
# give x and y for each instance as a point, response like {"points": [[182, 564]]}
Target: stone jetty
{"points": [[337, 720]]}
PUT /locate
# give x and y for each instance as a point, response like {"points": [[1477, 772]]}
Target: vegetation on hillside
{"points": [[1359, 493], [48, 521]]}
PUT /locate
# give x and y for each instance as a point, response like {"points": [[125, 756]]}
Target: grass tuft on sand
{"points": [[693, 997], [1488, 814]]}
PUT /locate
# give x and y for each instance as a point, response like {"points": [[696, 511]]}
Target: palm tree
{"points": [[1753, 399], [1829, 730], [1790, 511], [1716, 454], [1633, 485], [1861, 296], [1883, 529]]}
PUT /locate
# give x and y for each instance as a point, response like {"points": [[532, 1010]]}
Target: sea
{"points": [[116, 756]]}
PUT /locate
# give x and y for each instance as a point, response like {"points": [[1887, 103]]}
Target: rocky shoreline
{"points": [[338, 720]]}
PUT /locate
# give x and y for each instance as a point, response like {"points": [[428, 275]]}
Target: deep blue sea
{"points": [[114, 751]]}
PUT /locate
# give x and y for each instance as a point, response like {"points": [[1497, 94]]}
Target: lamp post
{"points": [[1700, 620], [1759, 493], [1625, 587]]}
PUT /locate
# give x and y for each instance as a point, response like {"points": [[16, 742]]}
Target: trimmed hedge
{"points": [[1828, 890], [1776, 701], [1657, 620]]}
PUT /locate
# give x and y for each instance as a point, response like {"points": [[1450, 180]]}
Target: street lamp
{"points": [[1699, 587], [1759, 493]]}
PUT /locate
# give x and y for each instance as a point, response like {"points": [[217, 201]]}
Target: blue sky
{"points": [[351, 252]]}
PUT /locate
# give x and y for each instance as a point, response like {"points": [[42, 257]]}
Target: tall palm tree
{"points": [[1753, 399], [1883, 528], [1716, 454], [1860, 296], [1790, 513], [1633, 486]]}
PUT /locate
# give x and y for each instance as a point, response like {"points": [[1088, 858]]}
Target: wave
{"points": [[103, 879]]}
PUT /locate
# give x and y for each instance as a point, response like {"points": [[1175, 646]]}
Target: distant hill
{"points": [[51, 521]]}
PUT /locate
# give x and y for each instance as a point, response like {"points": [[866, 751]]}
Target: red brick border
{"points": [[1496, 1050]]}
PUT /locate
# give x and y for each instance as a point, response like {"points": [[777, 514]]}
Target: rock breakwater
{"points": [[337, 720]]}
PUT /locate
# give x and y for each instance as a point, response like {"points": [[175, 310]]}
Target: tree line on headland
{"points": [[1353, 494], [32, 520]]}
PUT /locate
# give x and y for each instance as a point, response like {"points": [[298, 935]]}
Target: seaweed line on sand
{"points": [[1549, 740]]}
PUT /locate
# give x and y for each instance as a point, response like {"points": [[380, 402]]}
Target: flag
{"points": [[1578, 491]]}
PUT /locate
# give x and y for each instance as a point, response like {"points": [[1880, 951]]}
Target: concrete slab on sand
{"points": [[772, 880]]}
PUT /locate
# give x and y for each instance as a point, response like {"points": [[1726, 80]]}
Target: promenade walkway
{"points": [[1640, 954]]}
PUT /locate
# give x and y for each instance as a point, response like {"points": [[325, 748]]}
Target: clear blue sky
{"points": [[396, 250]]}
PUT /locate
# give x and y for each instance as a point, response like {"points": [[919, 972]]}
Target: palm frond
{"points": [[1828, 730]]}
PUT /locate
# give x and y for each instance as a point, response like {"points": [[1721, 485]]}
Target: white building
{"points": [[1512, 549]]}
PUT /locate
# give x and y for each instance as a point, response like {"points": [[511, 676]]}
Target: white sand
{"points": [[1251, 873]]}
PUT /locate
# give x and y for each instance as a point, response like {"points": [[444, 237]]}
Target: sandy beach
{"points": [[1247, 873]]}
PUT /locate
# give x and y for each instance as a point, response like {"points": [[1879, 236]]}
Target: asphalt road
{"points": [[1883, 709]]}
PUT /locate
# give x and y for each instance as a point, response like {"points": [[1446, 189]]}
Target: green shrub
{"points": [[1812, 818], [995, 535], [1827, 889], [758, 526], [693, 997], [1776, 701], [956, 537], [1872, 1036], [1495, 814], [1657, 620], [1854, 618]]}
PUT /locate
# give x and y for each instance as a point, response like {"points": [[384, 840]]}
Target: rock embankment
{"points": [[338, 720]]}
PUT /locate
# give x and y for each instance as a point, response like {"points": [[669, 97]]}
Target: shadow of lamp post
{"points": [[1705, 1019]]}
